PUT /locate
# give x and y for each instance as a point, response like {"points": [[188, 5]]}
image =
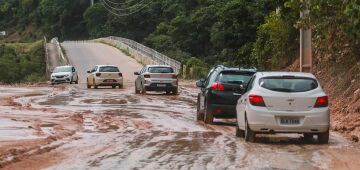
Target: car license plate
{"points": [[161, 85], [289, 121], [109, 81]]}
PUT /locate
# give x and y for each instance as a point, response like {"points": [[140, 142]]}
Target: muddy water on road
{"points": [[122, 130]]}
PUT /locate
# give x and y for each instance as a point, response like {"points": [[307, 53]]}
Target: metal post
{"points": [[305, 46]]}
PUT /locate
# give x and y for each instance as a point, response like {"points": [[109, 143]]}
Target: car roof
{"points": [[62, 66], [279, 73], [158, 66], [106, 65]]}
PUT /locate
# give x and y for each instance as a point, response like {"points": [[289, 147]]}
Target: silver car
{"points": [[156, 78], [64, 74]]}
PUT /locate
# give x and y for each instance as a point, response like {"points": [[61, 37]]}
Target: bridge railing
{"points": [[155, 56]]}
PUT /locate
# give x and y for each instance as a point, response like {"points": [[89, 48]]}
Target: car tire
{"points": [[143, 90], [95, 86], [77, 81], [239, 132], [121, 86], [52, 84], [199, 113], [136, 90], [167, 92], [113, 86], [208, 116], [176, 91], [323, 138], [250, 136], [88, 86], [308, 137]]}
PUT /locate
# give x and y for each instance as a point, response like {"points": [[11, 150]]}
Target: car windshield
{"points": [[288, 84], [62, 69], [161, 70], [235, 77], [109, 69]]}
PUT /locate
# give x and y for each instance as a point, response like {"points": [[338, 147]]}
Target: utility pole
{"points": [[306, 61], [92, 2]]}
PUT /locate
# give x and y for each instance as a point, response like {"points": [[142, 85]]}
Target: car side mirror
{"points": [[136, 73], [239, 90], [200, 83], [73, 70], [88, 71]]}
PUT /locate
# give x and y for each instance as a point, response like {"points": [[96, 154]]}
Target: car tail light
{"points": [[120, 74], [256, 100], [217, 86], [174, 76], [146, 76], [322, 102], [98, 74]]}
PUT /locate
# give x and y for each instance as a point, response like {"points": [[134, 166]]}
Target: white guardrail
{"points": [[62, 59], [156, 57]]}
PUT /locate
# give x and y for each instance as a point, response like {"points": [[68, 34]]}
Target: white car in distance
{"points": [[283, 102], [104, 75], [64, 74]]}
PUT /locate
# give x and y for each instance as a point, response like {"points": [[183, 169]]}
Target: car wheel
{"points": [[239, 132], [249, 134], [52, 84], [95, 86], [121, 86], [199, 113], [208, 116], [77, 82], [308, 137], [136, 90], [71, 82], [175, 92], [113, 86], [143, 90], [323, 138], [167, 92]]}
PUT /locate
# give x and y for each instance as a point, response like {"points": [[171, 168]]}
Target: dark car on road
{"points": [[220, 92]]}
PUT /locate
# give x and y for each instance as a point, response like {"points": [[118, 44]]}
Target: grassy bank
{"points": [[22, 62]]}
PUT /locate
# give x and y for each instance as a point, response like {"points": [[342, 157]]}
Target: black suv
{"points": [[220, 92]]}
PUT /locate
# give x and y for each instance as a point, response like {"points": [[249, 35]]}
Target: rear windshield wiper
{"points": [[281, 89]]}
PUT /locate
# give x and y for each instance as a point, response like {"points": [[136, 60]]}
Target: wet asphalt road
{"points": [[122, 130]]}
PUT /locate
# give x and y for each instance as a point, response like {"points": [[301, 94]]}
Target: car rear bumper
{"points": [[157, 84], [261, 120], [223, 111], [160, 87], [106, 81]]}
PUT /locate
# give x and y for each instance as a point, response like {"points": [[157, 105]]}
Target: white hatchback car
{"points": [[283, 102], [104, 75]]}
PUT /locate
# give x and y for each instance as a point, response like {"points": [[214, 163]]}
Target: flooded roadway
{"points": [[121, 130], [117, 129]]}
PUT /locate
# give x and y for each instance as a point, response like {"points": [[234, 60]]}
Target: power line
{"points": [[125, 14], [119, 3], [123, 9]]}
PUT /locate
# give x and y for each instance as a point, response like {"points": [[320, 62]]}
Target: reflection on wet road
{"points": [[122, 130]]}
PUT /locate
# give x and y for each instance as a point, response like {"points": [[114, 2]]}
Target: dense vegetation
{"points": [[22, 62], [261, 33]]}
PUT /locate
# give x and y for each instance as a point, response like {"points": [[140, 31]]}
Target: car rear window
{"points": [[235, 77], [62, 69], [288, 84], [109, 69], [161, 70]]}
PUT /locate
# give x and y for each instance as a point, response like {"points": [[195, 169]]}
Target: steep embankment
{"points": [[343, 88]]}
